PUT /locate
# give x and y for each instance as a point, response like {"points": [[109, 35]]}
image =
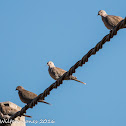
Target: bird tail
{"points": [[44, 102], [80, 81], [27, 116]]}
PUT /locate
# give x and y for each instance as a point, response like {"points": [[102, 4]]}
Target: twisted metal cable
{"points": [[72, 69]]}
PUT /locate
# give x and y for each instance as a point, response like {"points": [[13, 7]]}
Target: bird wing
{"points": [[113, 20], [28, 95], [56, 72], [60, 71]]}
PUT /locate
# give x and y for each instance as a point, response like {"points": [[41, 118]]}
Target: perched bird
{"points": [[7, 110], [110, 21], [27, 96], [56, 72]]}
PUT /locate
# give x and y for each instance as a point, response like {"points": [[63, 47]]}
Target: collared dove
{"points": [[7, 110], [56, 73], [27, 96], [110, 21]]}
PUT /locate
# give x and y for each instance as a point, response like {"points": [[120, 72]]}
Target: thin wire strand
{"points": [[72, 69]]}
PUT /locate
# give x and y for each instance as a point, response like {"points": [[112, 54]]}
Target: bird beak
{"points": [[98, 14], [15, 89]]}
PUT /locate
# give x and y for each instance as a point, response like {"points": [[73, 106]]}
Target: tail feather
{"points": [[124, 27], [80, 81], [44, 102], [27, 116]]}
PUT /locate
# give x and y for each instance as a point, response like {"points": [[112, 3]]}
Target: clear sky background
{"points": [[33, 32]]}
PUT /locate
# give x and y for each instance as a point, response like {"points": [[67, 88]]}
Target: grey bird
{"points": [[110, 21], [56, 73], [7, 110], [27, 96]]}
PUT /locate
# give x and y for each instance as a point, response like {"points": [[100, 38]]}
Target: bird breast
{"points": [[52, 74], [106, 23], [24, 100]]}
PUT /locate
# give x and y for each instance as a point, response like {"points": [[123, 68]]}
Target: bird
{"points": [[110, 21], [56, 73], [7, 110], [27, 96]]}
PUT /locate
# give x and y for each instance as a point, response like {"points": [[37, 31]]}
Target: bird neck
{"points": [[51, 66], [104, 15], [20, 90]]}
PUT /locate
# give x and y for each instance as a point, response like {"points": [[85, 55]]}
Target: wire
{"points": [[84, 59]]}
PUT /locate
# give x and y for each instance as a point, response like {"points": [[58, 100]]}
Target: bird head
{"points": [[50, 64], [102, 13], [19, 88]]}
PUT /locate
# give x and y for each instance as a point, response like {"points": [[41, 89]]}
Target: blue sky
{"points": [[35, 32]]}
